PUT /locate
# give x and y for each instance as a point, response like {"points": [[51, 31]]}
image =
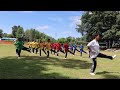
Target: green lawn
{"points": [[75, 67]]}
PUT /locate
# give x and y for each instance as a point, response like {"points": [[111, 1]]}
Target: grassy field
{"points": [[31, 66]]}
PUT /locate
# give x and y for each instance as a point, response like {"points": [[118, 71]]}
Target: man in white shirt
{"points": [[94, 49]]}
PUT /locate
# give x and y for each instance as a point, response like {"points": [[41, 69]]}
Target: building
{"points": [[8, 39]]}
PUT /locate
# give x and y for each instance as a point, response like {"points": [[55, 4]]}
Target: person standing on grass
{"points": [[66, 47], [48, 48], [36, 47], [94, 48], [74, 48], [19, 45], [59, 48], [33, 46], [41, 47], [71, 47], [82, 49]]}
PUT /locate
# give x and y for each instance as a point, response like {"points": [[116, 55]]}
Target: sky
{"points": [[53, 23]]}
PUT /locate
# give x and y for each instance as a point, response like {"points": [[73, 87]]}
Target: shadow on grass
{"points": [[66, 63], [107, 75], [12, 68], [105, 72]]}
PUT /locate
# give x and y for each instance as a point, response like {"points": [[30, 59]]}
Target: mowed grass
{"points": [[31, 66]]}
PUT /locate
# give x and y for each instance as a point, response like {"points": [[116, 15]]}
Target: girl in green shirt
{"points": [[19, 46]]}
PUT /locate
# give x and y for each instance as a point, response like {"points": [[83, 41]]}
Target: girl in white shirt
{"points": [[94, 48]]}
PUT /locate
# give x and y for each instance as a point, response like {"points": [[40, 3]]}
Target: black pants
{"points": [[43, 51], [52, 50], [47, 54], [81, 51], [94, 64], [74, 50], [89, 54], [71, 52], [33, 49], [66, 54], [18, 51], [36, 50], [57, 52], [26, 49]]}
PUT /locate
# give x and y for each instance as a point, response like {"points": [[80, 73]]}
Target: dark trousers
{"points": [[71, 52], [26, 49], [81, 51], [94, 62], [18, 51], [57, 52], [52, 50], [33, 49], [43, 51], [60, 51], [47, 54], [74, 50], [66, 54], [89, 53], [36, 50]]}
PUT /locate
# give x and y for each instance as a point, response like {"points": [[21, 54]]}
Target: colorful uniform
{"points": [[19, 47], [48, 46]]}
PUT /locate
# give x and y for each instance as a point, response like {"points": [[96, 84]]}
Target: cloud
{"points": [[67, 32], [44, 27], [57, 19], [75, 20]]}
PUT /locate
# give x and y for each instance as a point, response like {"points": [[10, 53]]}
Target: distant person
{"points": [[19, 45], [33, 46], [41, 47], [36, 46], [82, 50], [94, 48], [48, 48], [66, 48], [74, 48], [71, 47]]}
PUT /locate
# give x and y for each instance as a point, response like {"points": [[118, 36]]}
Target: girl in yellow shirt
{"points": [[41, 47], [48, 47]]}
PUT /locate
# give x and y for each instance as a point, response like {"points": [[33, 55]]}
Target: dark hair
{"points": [[48, 39], [96, 34], [19, 39]]}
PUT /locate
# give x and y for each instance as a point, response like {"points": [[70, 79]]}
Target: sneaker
{"points": [[92, 74], [48, 58], [65, 58], [113, 56]]}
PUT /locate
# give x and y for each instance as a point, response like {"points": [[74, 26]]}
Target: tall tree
{"points": [[20, 32], [1, 33], [14, 31]]}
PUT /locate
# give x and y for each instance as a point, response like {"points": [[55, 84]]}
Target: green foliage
{"points": [[1, 33], [105, 22]]}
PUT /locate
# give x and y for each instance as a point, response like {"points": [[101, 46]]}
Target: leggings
{"points": [[94, 62], [43, 51], [47, 54], [18, 51]]}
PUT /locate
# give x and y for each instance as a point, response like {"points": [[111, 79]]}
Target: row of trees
{"points": [[105, 22], [27, 35], [72, 40]]}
